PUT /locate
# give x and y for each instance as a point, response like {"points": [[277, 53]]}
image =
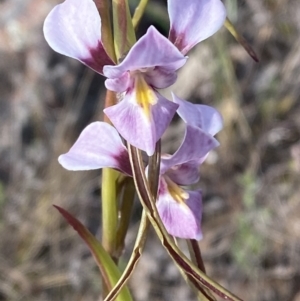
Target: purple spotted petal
{"points": [[193, 21], [152, 50], [205, 117], [99, 145], [134, 126], [196, 144], [73, 28], [181, 220]]}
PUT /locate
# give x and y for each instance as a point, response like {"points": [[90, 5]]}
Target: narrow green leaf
{"points": [[138, 13], [194, 275], [124, 35], [108, 269]]}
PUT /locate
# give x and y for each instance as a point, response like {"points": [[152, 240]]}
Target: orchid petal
{"points": [[73, 28], [119, 84], [99, 145], [151, 50], [160, 78], [181, 220], [157, 77], [138, 129], [184, 174], [194, 21], [163, 113], [205, 117], [196, 144]]}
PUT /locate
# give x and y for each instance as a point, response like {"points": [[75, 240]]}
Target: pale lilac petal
{"points": [[134, 126], [73, 28], [193, 21], [152, 50], [205, 117], [194, 202], [160, 78], [184, 174], [99, 145], [129, 120], [181, 220], [196, 144], [163, 113], [119, 84]]}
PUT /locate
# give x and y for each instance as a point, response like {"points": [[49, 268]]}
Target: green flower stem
{"points": [[109, 189], [139, 11], [109, 210], [129, 192]]}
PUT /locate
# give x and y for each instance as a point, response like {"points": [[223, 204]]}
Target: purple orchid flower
{"points": [[182, 169], [100, 145], [181, 209], [73, 29], [202, 116]]}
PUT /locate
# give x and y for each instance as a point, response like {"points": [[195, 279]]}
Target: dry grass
{"points": [[251, 183]]}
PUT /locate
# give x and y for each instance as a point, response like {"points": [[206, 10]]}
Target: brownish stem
{"points": [[197, 254], [110, 100], [104, 7]]}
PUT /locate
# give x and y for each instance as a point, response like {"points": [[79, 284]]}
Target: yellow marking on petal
{"points": [[145, 95], [178, 194]]}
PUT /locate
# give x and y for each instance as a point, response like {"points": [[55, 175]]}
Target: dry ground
{"points": [[251, 183]]}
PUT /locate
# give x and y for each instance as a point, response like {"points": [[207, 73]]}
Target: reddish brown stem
{"points": [[198, 256], [110, 100]]}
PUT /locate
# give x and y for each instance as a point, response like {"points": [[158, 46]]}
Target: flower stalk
{"points": [[109, 202], [127, 146], [193, 274]]}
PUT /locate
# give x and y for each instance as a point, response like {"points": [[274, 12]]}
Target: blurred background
{"points": [[250, 184]]}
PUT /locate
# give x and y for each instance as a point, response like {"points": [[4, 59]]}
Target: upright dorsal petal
{"points": [[193, 21], [73, 28], [152, 50]]}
